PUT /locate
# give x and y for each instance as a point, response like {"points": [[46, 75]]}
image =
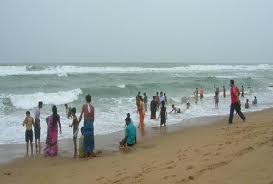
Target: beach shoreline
{"points": [[213, 153], [108, 143]]}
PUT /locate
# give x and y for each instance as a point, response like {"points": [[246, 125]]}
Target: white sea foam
{"points": [[64, 70], [111, 112], [28, 101], [121, 86]]}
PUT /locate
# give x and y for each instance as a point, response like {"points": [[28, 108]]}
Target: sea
{"points": [[113, 88]]}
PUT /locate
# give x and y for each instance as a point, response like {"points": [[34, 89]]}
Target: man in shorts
{"points": [[29, 122]]}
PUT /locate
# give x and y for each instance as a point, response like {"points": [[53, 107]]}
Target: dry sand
{"points": [[216, 153]]}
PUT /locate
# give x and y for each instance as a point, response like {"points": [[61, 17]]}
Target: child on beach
{"points": [[81, 144], [29, 122], [163, 114], [216, 100], [37, 127], [75, 125]]}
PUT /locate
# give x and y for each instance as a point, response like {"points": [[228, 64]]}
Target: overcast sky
{"points": [[217, 31]]}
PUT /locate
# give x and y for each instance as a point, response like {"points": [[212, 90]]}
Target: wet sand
{"points": [[212, 153]]}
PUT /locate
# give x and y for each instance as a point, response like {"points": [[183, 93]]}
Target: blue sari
{"points": [[89, 141]]}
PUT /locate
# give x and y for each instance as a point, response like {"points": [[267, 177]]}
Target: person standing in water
{"points": [[224, 91], [163, 114], [137, 100], [196, 95], [188, 104], [243, 92], [141, 112], [247, 104], [165, 97], [157, 100], [201, 93], [153, 107], [29, 122], [145, 101], [88, 111], [216, 99], [255, 102], [37, 127], [234, 92], [161, 98], [67, 111], [75, 126]]}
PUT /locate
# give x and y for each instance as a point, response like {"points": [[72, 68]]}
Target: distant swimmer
{"points": [[224, 91], [201, 93], [255, 102], [188, 105], [243, 92], [175, 109], [247, 104]]}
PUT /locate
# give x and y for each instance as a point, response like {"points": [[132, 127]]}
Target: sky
{"points": [[211, 31]]}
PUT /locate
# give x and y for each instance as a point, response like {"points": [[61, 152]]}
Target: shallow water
{"points": [[113, 88]]}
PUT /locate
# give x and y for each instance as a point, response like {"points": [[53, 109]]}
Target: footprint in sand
{"points": [[206, 154], [170, 176], [189, 167], [100, 178]]}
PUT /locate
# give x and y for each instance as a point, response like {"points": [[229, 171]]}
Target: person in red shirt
{"points": [[234, 93]]}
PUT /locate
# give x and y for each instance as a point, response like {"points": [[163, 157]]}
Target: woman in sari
{"points": [[53, 122], [89, 113], [141, 112]]}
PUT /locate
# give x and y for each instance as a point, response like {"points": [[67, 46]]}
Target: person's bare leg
{"points": [[39, 146], [31, 146], [36, 146], [27, 147], [75, 148]]}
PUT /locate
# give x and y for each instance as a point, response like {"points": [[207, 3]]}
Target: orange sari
{"points": [[141, 114]]}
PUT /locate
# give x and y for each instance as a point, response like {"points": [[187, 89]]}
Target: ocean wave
{"points": [[28, 101], [121, 86], [64, 70]]}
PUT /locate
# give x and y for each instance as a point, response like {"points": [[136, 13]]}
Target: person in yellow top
{"points": [[29, 122], [141, 112]]}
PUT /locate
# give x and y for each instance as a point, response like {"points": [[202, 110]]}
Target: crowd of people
{"points": [[87, 142]]}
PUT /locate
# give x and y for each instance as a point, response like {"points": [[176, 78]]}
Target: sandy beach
{"points": [[213, 153]]}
